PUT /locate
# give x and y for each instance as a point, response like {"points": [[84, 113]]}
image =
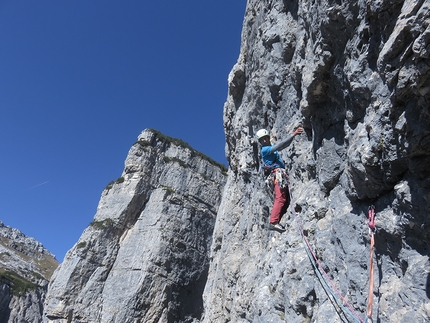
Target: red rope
{"points": [[320, 267], [371, 214], [371, 224], [370, 300]]}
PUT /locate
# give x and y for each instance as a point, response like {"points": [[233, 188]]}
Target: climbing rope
{"points": [[371, 224], [323, 276]]}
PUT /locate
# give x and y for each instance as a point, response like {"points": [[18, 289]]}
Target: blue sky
{"points": [[79, 80]]}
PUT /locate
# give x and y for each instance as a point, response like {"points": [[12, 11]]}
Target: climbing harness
{"points": [[325, 280], [279, 176], [269, 168], [372, 226]]}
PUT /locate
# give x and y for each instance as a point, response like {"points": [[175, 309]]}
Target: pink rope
{"points": [[319, 264]]}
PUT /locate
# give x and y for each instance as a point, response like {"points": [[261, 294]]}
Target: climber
{"points": [[275, 167]]}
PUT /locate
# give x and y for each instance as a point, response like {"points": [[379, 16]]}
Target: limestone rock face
{"points": [[144, 258], [355, 75], [25, 269], [173, 227]]}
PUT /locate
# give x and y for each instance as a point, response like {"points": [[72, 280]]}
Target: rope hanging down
{"points": [[371, 224], [324, 278]]}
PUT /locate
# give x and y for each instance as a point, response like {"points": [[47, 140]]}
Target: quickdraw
{"points": [[279, 176]]}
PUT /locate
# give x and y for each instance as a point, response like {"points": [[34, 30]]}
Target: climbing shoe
{"points": [[277, 227]]}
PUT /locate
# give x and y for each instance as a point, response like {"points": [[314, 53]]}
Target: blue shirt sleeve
{"points": [[271, 158], [282, 144]]}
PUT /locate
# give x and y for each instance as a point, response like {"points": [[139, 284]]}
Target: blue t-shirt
{"points": [[271, 159]]}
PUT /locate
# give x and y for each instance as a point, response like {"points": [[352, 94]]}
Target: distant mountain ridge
{"points": [[177, 239], [145, 256], [25, 270]]}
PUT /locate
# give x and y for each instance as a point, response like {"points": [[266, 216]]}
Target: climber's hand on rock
{"points": [[298, 131]]}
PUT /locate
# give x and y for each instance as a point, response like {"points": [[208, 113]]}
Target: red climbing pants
{"points": [[280, 206]]}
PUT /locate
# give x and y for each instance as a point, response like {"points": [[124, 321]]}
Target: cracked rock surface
{"points": [[355, 75], [176, 239], [25, 269], [144, 258]]}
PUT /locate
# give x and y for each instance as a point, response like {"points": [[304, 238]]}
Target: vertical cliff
{"points": [[144, 258], [176, 240], [25, 269], [355, 75]]}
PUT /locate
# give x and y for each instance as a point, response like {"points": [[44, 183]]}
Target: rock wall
{"points": [[25, 269], [144, 258], [175, 240], [355, 75]]}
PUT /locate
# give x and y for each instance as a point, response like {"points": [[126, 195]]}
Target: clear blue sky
{"points": [[79, 80]]}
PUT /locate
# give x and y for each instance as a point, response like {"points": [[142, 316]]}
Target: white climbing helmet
{"points": [[262, 133]]}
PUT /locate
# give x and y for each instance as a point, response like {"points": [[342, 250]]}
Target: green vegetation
{"points": [[168, 189], [183, 144], [381, 144], [143, 143], [207, 178], [111, 184], [45, 265], [37, 275], [175, 159], [18, 285], [81, 244], [102, 225], [4, 256]]}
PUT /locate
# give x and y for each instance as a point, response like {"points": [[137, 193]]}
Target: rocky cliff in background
{"points": [[144, 258], [355, 74], [175, 240], [25, 269]]}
